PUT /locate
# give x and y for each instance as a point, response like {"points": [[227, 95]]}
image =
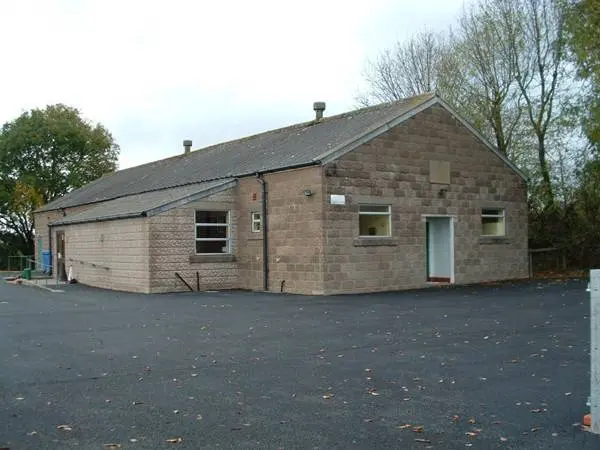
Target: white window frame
{"points": [[256, 218], [372, 213], [226, 240], [500, 215]]}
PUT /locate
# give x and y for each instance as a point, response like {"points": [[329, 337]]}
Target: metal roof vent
{"points": [[187, 146], [319, 107]]}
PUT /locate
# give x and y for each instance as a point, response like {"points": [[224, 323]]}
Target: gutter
{"points": [[263, 183], [100, 219], [314, 162]]}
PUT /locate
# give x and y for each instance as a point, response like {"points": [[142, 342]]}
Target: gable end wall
{"points": [[110, 255], [394, 169]]}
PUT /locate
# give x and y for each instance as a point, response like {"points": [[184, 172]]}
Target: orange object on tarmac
{"points": [[587, 420]]}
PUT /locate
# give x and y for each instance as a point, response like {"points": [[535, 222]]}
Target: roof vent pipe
{"points": [[187, 146], [319, 107]]}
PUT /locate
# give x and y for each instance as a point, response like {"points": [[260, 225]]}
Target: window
{"points": [[374, 220], [492, 222], [256, 222], [212, 232]]}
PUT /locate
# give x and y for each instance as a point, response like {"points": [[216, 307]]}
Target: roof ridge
{"points": [[399, 101], [284, 128]]}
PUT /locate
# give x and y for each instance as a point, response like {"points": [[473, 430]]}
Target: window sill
{"points": [[255, 237], [493, 240], [375, 241], [216, 258]]}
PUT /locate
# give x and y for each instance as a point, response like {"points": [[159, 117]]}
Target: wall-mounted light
{"points": [[442, 192], [308, 192]]}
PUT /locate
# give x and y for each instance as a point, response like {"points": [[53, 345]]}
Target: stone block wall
{"points": [[172, 249], [295, 231], [393, 169], [41, 221], [250, 245], [110, 255]]}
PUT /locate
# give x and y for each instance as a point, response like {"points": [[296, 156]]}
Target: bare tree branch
{"points": [[409, 68], [535, 29]]}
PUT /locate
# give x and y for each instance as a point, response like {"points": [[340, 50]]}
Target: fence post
{"points": [[595, 349]]}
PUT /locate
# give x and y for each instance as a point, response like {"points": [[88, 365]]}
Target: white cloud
{"points": [[156, 72]]}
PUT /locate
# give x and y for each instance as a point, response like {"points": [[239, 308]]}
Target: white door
{"points": [[440, 251]]}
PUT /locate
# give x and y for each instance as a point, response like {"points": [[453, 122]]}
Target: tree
{"points": [[583, 27], [586, 229], [489, 75], [467, 67], [45, 154], [535, 31], [410, 68]]}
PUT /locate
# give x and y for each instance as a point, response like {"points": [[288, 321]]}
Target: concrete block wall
{"points": [[394, 169], [41, 221], [250, 245], [295, 232], [110, 255], [172, 243]]}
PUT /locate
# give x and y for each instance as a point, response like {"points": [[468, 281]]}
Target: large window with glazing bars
{"points": [[212, 232]]}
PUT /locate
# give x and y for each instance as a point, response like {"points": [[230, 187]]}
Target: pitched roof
{"points": [[298, 145], [148, 203]]}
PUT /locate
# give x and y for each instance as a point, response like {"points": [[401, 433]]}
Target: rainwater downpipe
{"points": [[263, 196], [51, 269]]}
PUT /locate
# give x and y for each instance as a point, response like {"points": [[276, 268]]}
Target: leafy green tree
{"points": [[587, 206], [44, 154], [583, 25]]}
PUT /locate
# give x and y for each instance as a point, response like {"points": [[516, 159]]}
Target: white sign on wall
{"points": [[336, 199]]}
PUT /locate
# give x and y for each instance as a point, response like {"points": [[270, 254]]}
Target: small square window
{"points": [[375, 221], [492, 222], [256, 222]]}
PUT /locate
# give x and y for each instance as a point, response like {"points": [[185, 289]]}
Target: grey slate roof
{"points": [[296, 145], [148, 203]]}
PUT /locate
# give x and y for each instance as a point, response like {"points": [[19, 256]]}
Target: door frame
{"points": [[61, 263], [451, 220], [38, 257]]}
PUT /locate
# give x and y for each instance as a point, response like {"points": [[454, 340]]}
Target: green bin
{"points": [[27, 274]]}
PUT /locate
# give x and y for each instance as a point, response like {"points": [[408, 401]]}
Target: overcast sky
{"points": [[157, 72]]}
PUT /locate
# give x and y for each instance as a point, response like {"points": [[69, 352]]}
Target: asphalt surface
{"points": [[508, 364]]}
